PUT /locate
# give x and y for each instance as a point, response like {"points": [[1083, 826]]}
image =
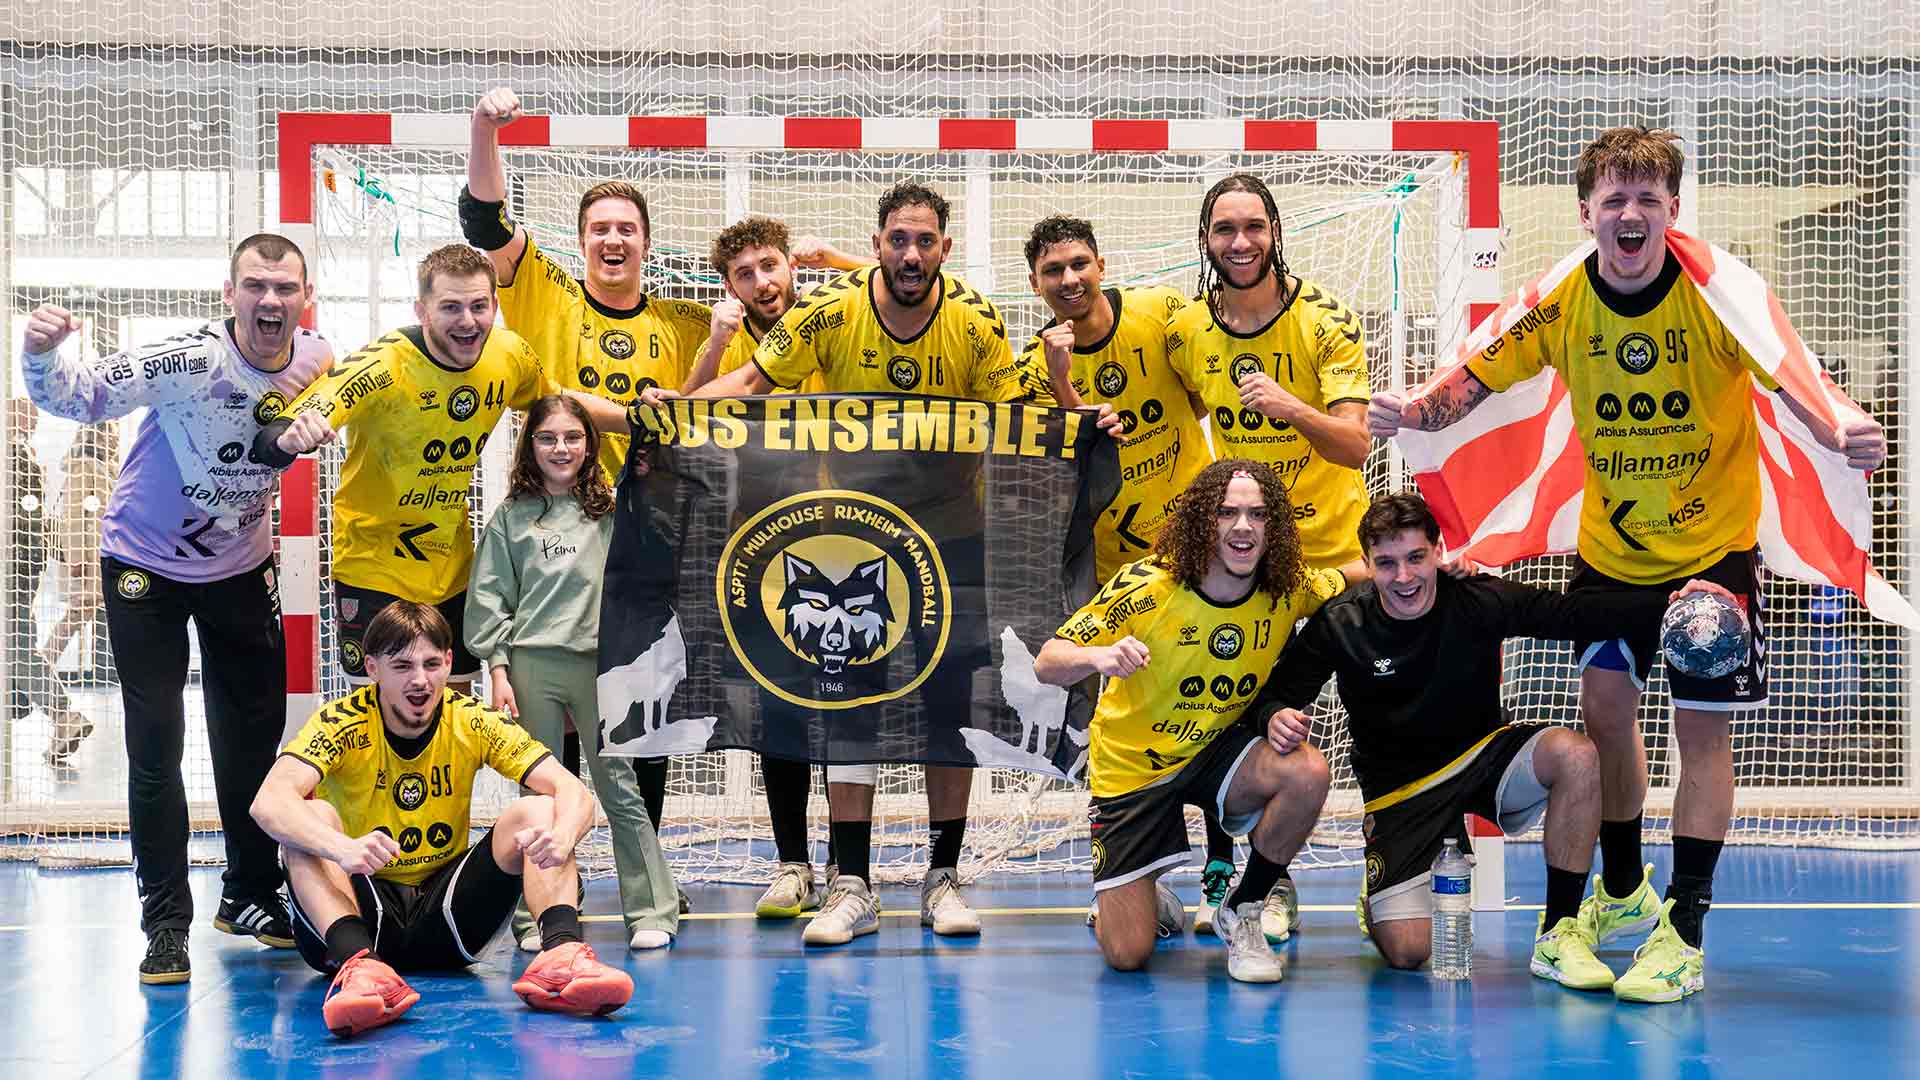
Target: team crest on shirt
{"points": [[1111, 379], [1636, 354], [271, 404], [133, 584], [617, 344], [1376, 868], [463, 403], [1243, 365], [1226, 641], [903, 372], [409, 792], [834, 599]]}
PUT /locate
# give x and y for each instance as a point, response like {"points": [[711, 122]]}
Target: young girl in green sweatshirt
{"points": [[533, 613]]}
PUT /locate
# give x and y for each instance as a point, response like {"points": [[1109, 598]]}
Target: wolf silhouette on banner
{"points": [[850, 579]]}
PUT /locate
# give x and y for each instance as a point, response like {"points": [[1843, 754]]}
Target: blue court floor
{"points": [[1813, 971]]}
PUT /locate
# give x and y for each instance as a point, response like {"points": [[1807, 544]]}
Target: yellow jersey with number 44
{"points": [[599, 350], [424, 802], [1659, 390], [415, 431], [1315, 350], [1165, 448], [1205, 663]]}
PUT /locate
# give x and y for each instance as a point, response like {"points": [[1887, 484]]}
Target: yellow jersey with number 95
{"points": [[424, 802]]}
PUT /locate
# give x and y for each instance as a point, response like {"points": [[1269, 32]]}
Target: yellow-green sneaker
{"points": [[1607, 918], [1665, 968], [1565, 955]]}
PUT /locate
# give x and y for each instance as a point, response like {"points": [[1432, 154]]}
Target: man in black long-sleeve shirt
{"points": [[1417, 657]]}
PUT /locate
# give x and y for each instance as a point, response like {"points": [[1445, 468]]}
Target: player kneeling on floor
{"points": [[1415, 654], [370, 803], [1183, 638]]}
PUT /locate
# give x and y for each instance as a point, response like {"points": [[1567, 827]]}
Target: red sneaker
{"points": [[364, 995], [569, 978]]}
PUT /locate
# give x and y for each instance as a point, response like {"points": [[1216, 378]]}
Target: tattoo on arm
{"points": [[1450, 402]]}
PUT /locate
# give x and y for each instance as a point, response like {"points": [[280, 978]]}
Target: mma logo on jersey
{"points": [[1225, 642], [1111, 379], [903, 372], [617, 344], [133, 584], [619, 383], [589, 377], [820, 592], [1192, 686], [463, 403], [1243, 365], [409, 792], [231, 452], [271, 404], [1607, 407], [1636, 354]]}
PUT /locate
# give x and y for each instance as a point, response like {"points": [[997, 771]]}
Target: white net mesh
{"points": [[138, 143], [1363, 226]]}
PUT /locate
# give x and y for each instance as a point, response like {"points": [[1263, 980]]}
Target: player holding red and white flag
{"points": [[1710, 436]]}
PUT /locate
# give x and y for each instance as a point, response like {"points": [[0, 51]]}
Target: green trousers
{"points": [[548, 684]]}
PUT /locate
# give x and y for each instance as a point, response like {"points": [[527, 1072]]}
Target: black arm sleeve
{"points": [[266, 444], [486, 225], [1587, 615], [1303, 668]]}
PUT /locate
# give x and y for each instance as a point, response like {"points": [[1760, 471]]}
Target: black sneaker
{"points": [[262, 919], [686, 905], [166, 961]]}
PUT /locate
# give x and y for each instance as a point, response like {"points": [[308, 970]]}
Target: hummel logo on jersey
{"points": [[1383, 665]]}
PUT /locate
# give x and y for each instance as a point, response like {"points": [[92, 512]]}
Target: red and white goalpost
{"points": [[1441, 182]]}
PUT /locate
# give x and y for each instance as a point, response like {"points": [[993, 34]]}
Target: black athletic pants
{"points": [[244, 676]]}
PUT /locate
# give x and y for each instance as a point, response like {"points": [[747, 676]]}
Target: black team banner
{"points": [[850, 579]]}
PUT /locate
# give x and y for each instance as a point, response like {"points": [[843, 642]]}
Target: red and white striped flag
{"points": [[1506, 481]]}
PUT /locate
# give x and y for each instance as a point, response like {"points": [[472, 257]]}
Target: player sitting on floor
{"points": [[1184, 637], [1416, 657], [379, 865]]}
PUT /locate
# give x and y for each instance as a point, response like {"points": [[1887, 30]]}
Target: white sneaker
{"points": [[850, 912], [1280, 915], [530, 941], [650, 939], [1249, 958], [791, 893], [943, 908], [1171, 916]]}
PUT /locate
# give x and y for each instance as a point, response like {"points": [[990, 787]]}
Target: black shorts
{"points": [[1144, 832], [444, 922], [354, 608], [1406, 829], [1743, 688]]}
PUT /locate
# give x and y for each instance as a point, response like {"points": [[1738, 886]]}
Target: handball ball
{"points": [[1705, 635]]}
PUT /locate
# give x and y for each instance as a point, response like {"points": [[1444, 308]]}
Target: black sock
{"points": [[1256, 881], [1219, 844], [853, 846], [347, 936], [787, 789], [1621, 870], [943, 842], [1691, 890], [651, 773], [559, 924], [1564, 889]]}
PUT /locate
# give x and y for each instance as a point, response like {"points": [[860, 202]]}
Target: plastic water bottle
{"points": [[1452, 913]]}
